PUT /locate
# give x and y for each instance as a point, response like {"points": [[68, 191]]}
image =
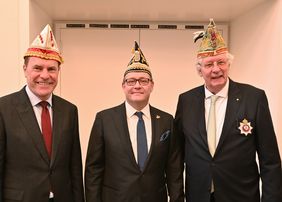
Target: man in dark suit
{"points": [[222, 139], [40, 156], [124, 164]]}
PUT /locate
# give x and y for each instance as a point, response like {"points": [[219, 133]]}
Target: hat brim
{"points": [[44, 54]]}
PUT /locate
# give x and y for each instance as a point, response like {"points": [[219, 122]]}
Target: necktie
{"points": [[142, 149], [211, 129], [46, 126]]}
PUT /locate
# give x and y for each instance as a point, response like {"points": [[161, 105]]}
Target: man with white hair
{"points": [[224, 125]]}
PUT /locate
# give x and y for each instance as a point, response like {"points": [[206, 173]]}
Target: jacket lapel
{"points": [[232, 109], [200, 101], [57, 123], [155, 122], [121, 125], [29, 120]]}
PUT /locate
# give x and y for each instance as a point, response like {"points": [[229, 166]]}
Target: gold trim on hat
{"points": [[51, 55], [212, 53]]}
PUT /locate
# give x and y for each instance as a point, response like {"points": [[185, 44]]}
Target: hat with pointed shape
{"points": [[212, 42], [138, 62], [45, 46]]}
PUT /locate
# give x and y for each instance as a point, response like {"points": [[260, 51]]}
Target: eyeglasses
{"points": [[141, 81], [219, 63]]}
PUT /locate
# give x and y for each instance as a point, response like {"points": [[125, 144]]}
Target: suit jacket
{"points": [[26, 173], [112, 173], [233, 168]]}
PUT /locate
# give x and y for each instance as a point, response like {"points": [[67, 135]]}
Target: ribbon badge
{"points": [[245, 127]]}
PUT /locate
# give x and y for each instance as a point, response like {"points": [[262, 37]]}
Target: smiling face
{"points": [[41, 76], [137, 95], [214, 70]]}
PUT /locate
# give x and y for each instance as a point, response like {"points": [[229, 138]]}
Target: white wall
{"points": [[38, 18], [21, 21], [256, 45], [14, 16]]}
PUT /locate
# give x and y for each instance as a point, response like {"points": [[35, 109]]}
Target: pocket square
{"points": [[165, 135]]}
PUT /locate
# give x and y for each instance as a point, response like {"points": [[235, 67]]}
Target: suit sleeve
{"points": [[268, 154], [76, 164], [174, 168], [94, 167]]}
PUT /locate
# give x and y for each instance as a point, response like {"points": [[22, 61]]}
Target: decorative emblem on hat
{"points": [[212, 41], [45, 46], [245, 127], [138, 62]]}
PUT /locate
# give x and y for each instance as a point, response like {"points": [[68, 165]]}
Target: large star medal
{"points": [[245, 127]]}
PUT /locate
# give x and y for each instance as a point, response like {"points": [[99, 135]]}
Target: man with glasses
{"points": [[133, 154], [224, 125]]}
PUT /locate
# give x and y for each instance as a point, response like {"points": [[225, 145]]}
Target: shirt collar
{"points": [[223, 93], [130, 111], [34, 99]]}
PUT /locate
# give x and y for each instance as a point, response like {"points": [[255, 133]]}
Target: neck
{"points": [[138, 106]]}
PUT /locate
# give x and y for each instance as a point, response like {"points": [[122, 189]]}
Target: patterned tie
{"points": [[142, 149], [46, 127]]}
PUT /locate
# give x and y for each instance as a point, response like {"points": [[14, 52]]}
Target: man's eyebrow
{"points": [[36, 65]]}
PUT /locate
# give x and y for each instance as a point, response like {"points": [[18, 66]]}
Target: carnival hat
{"points": [[45, 46], [138, 62], [212, 42]]}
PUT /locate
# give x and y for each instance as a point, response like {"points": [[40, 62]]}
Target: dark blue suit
{"points": [[111, 172], [233, 168]]}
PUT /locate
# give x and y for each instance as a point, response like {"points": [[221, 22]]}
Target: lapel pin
{"points": [[237, 99], [158, 116]]}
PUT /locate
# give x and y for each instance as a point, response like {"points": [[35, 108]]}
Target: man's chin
{"points": [[44, 94], [138, 100]]}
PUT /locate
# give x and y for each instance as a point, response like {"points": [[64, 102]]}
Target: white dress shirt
{"points": [[220, 108], [36, 107], [132, 120], [37, 111]]}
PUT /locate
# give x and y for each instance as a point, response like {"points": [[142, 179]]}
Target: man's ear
{"points": [[24, 70], [152, 86], [200, 72]]}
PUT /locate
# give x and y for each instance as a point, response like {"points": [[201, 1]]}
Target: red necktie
{"points": [[46, 127]]}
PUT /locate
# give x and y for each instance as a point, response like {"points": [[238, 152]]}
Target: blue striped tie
{"points": [[142, 149]]}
